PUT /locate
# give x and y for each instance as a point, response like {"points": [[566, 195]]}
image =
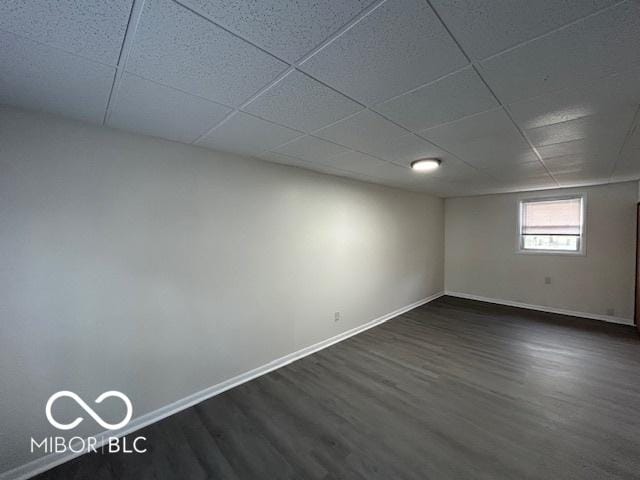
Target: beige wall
{"points": [[481, 258], [158, 269]]}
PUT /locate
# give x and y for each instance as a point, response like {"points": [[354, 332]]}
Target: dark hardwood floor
{"points": [[455, 389]]}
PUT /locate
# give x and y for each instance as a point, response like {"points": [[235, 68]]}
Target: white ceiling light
{"points": [[426, 164]]}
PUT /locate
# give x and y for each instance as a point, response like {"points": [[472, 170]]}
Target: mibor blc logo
{"points": [[77, 444], [89, 410]]}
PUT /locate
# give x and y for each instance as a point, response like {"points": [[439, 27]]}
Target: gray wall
{"points": [[481, 258], [158, 269]]}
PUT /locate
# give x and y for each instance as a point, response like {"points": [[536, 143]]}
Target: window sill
{"points": [[551, 252]]}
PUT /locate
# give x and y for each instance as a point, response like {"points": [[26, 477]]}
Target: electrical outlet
{"points": [[547, 280], [336, 317], [611, 312]]}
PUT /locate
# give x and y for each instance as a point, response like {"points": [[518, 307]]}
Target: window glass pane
{"points": [[549, 217], [551, 242]]}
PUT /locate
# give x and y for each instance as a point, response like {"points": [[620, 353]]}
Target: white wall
{"points": [[158, 269], [481, 258]]}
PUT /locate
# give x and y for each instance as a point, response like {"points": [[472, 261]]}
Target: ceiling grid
{"points": [[511, 96]]}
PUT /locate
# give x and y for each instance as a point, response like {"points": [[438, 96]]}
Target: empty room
{"points": [[319, 239]]}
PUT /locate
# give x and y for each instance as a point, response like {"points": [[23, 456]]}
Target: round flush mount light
{"points": [[426, 164]]}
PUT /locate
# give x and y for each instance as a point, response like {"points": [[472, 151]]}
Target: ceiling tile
{"points": [[578, 163], [247, 135], [486, 140], [633, 142], [495, 152], [457, 95], [520, 171], [523, 184], [93, 28], [438, 188], [595, 47], [326, 168], [365, 131], [628, 166], [605, 147], [449, 188], [275, 157], [486, 27], [398, 47], [178, 48], [628, 161], [611, 125], [300, 102], [590, 175], [459, 178], [599, 96], [38, 77], [407, 148], [404, 150], [491, 123], [287, 28], [146, 107], [455, 170], [573, 90], [368, 165], [311, 149]]}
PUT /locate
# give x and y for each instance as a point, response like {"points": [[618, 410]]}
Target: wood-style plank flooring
{"points": [[455, 389]]}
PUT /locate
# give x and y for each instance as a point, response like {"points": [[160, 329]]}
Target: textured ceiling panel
{"points": [[578, 163], [311, 149], [596, 147], [627, 165], [300, 102], [358, 88], [39, 77], [373, 167], [178, 48], [287, 28], [527, 170], [247, 135], [92, 28], [486, 140], [486, 27], [146, 107], [603, 95], [365, 131], [608, 126], [400, 46], [457, 95], [595, 47], [407, 148]]}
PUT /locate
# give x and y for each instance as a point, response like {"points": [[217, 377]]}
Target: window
{"points": [[552, 225]]}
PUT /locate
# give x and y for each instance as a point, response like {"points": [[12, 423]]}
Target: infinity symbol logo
{"points": [[89, 410]]}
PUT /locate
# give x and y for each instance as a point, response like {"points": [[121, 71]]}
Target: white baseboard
{"points": [[49, 461], [542, 308]]}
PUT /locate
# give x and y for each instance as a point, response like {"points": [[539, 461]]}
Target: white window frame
{"points": [[582, 250]]}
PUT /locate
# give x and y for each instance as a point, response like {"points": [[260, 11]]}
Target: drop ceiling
{"points": [[511, 95]]}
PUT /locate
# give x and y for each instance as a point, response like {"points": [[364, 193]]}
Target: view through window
{"points": [[552, 224]]}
